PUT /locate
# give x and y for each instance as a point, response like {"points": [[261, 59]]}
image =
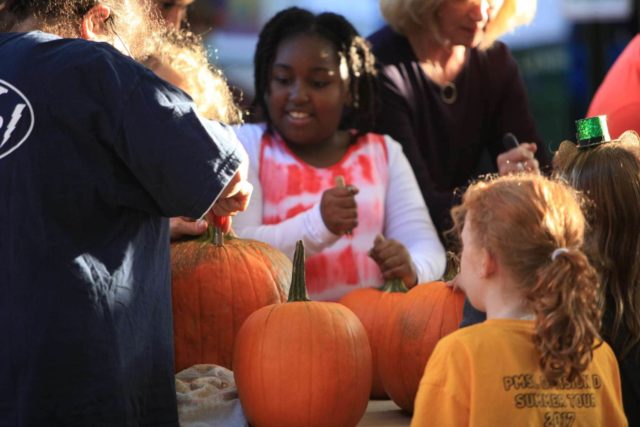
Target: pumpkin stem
{"points": [[394, 285], [218, 236], [298, 291], [212, 235]]}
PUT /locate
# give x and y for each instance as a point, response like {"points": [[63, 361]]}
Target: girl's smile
{"points": [[307, 92]]}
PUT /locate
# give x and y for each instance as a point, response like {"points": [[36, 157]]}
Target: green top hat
{"points": [[592, 131]]}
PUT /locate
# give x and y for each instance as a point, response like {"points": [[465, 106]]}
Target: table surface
{"points": [[384, 413]]}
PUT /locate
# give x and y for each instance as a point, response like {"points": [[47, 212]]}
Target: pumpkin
{"points": [[427, 313], [303, 363], [217, 282], [374, 307]]}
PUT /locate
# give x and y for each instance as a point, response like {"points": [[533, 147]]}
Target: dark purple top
{"points": [[450, 144]]}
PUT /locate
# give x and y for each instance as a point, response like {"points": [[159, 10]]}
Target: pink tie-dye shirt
{"points": [[285, 207], [291, 186]]}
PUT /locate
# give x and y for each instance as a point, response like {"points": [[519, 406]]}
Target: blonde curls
{"points": [[181, 59], [522, 220]]}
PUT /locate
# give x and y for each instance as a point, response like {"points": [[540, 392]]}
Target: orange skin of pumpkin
{"points": [[303, 364], [374, 308], [425, 314], [215, 289]]}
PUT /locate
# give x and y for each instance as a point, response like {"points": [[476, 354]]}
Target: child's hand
{"points": [[339, 210], [394, 260], [180, 227]]}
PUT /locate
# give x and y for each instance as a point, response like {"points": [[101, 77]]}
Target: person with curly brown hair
{"points": [[538, 359]]}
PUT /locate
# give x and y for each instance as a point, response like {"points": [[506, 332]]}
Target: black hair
{"points": [[347, 43]]}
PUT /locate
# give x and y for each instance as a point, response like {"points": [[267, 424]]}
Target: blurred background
{"points": [[563, 54]]}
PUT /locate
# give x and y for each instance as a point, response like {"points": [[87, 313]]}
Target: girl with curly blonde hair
{"points": [[538, 358]]}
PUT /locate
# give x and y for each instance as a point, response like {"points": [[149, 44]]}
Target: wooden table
{"points": [[384, 413]]}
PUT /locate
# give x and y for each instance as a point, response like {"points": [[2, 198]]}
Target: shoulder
{"points": [[631, 52], [604, 352], [388, 46], [497, 59], [93, 66], [250, 135]]}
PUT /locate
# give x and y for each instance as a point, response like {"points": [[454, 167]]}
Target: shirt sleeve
{"points": [[307, 226], [407, 219], [443, 394], [182, 160]]}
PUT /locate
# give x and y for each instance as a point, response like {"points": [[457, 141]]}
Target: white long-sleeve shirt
{"points": [[391, 205]]}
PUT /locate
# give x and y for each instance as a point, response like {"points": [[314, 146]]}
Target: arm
{"points": [[181, 159], [307, 225], [407, 219]]}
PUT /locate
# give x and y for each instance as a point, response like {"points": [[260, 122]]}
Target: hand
{"points": [[394, 260], [339, 209], [182, 226], [453, 283], [236, 195], [519, 159]]}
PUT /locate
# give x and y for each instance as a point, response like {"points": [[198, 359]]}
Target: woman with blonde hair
{"points": [[538, 358], [609, 176], [450, 93]]}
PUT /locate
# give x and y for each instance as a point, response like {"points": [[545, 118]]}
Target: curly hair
{"points": [[408, 16], [348, 45], [609, 176], [182, 60], [131, 21], [535, 216]]}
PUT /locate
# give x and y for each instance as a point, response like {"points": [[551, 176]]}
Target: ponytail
{"points": [[529, 234], [568, 318]]}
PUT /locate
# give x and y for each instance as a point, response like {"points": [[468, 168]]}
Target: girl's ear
{"points": [[488, 264], [94, 23]]}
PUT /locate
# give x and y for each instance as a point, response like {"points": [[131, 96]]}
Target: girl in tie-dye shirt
{"points": [[315, 86]]}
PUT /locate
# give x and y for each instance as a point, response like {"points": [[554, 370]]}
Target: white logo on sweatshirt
{"points": [[16, 118]]}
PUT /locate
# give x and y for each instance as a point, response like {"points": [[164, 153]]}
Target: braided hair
{"points": [[349, 46]]}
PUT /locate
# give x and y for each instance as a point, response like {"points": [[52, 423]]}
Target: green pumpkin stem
{"points": [[213, 235], [394, 285], [298, 290]]}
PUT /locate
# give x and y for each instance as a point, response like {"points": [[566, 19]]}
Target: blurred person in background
{"points": [[450, 93], [173, 12], [618, 97]]}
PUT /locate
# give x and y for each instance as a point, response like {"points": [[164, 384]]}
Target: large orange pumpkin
{"points": [[217, 283], [427, 313], [303, 363], [374, 308]]}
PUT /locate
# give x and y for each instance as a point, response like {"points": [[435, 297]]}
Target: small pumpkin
{"points": [[217, 282], [303, 363], [427, 313], [374, 308]]}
